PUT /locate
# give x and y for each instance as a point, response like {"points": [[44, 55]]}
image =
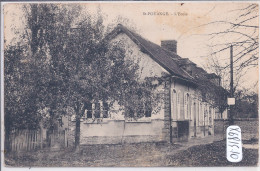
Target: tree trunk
{"points": [[79, 110], [77, 130], [34, 26], [7, 131]]}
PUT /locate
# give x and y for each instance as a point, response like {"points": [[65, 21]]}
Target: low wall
{"points": [[249, 127], [119, 131]]}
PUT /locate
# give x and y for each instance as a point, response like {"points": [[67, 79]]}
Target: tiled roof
{"points": [[168, 60]]}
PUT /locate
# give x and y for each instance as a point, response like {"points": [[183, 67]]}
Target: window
{"points": [[140, 109], [191, 110], [148, 109], [131, 113], [174, 105], [178, 105], [148, 113], [189, 105], [186, 105], [89, 110], [143, 109], [210, 116], [206, 115], [197, 111], [97, 110], [201, 114], [185, 100], [178, 98], [105, 110]]}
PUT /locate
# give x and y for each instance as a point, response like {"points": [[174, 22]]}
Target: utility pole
{"points": [[231, 120]]}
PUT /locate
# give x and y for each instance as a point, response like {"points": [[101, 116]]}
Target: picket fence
{"points": [[28, 140], [25, 140]]}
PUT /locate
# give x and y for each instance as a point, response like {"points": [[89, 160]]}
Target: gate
{"points": [[57, 139]]}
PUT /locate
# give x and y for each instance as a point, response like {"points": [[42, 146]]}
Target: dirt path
{"points": [[160, 157], [123, 155], [251, 146]]}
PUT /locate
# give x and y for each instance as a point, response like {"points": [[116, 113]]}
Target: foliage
{"points": [[246, 104], [68, 65], [20, 104]]}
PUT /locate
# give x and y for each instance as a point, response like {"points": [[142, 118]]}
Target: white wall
{"points": [[148, 67], [178, 112], [114, 131], [177, 108]]}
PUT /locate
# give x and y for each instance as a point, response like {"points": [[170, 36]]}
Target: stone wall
{"points": [[249, 127], [167, 114]]}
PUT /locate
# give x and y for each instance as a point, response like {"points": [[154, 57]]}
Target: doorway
{"points": [[183, 130]]}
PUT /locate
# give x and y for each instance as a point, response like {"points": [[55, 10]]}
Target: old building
{"points": [[192, 98]]}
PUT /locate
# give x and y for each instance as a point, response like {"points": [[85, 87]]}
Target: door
{"points": [[183, 130]]}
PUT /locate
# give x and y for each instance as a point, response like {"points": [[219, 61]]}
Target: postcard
{"points": [[130, 84]]}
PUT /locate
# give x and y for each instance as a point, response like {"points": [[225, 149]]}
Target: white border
{"points": [[103, 168], [2, 84]]}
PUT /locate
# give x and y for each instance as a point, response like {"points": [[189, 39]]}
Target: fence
{"points": [[28, 140], [25, 140]]}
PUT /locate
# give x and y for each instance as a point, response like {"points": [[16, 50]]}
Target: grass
{"points": [[142, 154]]}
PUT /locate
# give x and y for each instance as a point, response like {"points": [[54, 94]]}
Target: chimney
{"points": [[170, 45]]}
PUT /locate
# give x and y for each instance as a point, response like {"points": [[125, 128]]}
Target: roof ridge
{"points": [[169, 60], [133, 35], [165, 58]]}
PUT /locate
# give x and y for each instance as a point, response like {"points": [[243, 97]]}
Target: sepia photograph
{"points": [[130, 84]]}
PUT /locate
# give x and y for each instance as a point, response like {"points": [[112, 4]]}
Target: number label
{"points": [[234, 144]]}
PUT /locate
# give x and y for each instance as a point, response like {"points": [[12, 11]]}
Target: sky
{"points": [[156, 21]]}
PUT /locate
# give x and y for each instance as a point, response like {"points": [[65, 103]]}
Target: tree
{"points": [[242, 33], [71, 64], [20, 105], [246, 104], [96, 70], [72, 56], [25, 75]]}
